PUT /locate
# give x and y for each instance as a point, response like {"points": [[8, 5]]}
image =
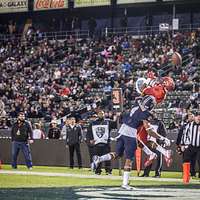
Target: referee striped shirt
{"points": [[184, 137], [193, 132]]}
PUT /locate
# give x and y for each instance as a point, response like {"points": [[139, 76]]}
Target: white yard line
{"points": [[91, 176]]}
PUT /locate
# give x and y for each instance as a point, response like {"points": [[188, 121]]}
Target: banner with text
{"points": [[134, 1], [11, 6], [90, 3], [50, 4]]}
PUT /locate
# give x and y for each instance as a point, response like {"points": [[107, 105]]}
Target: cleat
{"points": [[168, 158], [95, 163], [157, 176], [127, 187], [150, 159], [144, 175]]}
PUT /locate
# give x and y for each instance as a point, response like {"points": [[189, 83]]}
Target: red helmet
{"points": [[168, 83]]}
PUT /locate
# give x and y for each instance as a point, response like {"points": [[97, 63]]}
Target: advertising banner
{"points": [[164, 27], [50, 4], [175, 24], [11, 6], [90, 3], [134, 1], [117, 99]]}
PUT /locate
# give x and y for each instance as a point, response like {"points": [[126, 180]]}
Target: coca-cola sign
{"points": [[8, 6], [50, 4]]}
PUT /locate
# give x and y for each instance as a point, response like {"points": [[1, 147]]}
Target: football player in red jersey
{"points": [[158, 89]]}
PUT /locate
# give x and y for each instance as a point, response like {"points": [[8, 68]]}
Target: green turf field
{"points": [[36, 187], [83, 171]]}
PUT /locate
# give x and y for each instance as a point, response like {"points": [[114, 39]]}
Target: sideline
{"points": [[92, 176]]}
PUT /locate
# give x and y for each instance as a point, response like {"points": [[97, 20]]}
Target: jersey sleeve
{"points": [[145, 115]]}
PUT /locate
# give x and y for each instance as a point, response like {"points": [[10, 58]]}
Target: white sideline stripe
{"points": [[92, 176]]}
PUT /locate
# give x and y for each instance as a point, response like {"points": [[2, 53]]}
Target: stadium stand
{"points": [[50, 78]]}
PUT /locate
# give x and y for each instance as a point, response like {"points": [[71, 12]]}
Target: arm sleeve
{"points": [[161, 129], [112, 125], [80, 136], [30, 130], [180, 134], [63, 132], [89, 135], [59, 133], [12, 133], [67, 136], [42, 135], [50, 133]]}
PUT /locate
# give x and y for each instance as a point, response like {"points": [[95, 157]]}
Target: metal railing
{"points": [[146, 30], [137, 31], [65, 34], [59, 35]]}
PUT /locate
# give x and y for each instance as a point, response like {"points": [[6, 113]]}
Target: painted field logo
{"points": [[115, 193]]}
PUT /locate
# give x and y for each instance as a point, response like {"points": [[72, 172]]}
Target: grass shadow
{"points": [[89, 192]]}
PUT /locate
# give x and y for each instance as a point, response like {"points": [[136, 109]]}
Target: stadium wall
{"points": [[137, 15], [54, 153]]}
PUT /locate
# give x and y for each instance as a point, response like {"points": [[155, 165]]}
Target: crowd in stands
{"points": [[50, 79]]}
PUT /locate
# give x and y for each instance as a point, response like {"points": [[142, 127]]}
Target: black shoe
{"points": [[108, 173], [98, 173], [193, 176], [14, 167], [144, 175], [157, 176]]}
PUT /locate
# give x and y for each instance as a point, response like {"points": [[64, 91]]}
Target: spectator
{"points": [[45, 75], [37, 132], [54, 131], [74, 137], [22, 136]]}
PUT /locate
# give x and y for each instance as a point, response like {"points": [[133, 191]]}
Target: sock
{"points": [[147, 150], [105, 157], [126, 177], [162, 150]]}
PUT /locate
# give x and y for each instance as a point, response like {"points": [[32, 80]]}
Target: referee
{"points": [[193, 136]]}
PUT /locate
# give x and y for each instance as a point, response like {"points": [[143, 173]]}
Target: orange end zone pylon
{"points": [[138, 158], [1, 167], [186, 173]]}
